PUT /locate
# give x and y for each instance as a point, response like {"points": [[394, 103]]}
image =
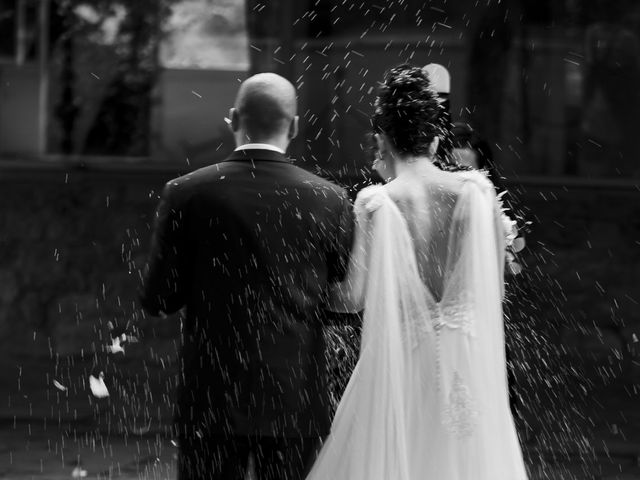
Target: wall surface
{"points": [[71, 247], [72, 243], [19, 110], [188, 119]]}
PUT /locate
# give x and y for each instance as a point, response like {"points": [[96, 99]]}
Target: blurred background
{"points": [[103, 101]]}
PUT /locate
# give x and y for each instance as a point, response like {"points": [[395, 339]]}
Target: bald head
{"points": [[265, 107]]}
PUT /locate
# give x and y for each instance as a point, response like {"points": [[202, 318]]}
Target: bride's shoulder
{"points": [[477, 178], [369, 192], [369, 198]]}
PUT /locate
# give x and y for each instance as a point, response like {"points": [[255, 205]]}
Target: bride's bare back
{"points": [[427, 196]]}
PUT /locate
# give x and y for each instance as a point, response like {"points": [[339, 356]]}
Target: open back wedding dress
{"points": [[428, 398]]}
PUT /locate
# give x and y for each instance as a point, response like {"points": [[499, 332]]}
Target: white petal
{"points": [[78, 473], [515, 268], [115, 347], [518, 244], [98, 388]]}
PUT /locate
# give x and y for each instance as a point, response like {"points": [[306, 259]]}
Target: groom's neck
{"points": [[280, 141]]}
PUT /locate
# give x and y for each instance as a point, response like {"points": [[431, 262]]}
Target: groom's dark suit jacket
{"points": [[249, 246]]}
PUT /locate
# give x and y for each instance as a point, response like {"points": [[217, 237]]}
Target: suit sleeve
{"points": [[340, 248], [163, 289]]}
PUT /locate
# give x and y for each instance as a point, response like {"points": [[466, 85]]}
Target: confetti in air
{"points": [[59, 386], [570, 308]]}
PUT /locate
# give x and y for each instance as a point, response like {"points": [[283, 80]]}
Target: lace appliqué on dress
{"points": [[460, 415], [454, 314]]}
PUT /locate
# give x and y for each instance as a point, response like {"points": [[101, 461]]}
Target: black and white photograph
{"points": [[319, 239]]}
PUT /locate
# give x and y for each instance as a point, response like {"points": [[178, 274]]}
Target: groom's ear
{"points": [[234, 124], [433, 148], [293, 128], [379, 142]]}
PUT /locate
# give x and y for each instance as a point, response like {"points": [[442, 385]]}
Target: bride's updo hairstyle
{"points": [[407, 110]]}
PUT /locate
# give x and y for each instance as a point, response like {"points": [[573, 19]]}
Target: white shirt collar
{"points": [[260, 146]]}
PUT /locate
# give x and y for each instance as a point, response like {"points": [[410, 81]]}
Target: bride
{"points": [[428, 398]]}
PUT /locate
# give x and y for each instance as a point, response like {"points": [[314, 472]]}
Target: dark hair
{"points": [[464, 136], [407, 110]]}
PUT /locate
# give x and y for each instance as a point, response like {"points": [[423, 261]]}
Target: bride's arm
{"points": [[348, 296]]}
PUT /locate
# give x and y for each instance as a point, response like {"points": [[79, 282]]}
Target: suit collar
{"points": [[258, 155], [259, 146]]}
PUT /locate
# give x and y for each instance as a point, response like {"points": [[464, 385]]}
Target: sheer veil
{"points": [[428, 398]]}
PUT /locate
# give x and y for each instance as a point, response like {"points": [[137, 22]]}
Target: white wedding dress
{"points": [[428, 398]]}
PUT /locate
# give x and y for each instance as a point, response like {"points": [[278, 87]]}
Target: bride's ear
{"points": [[433, 148], [381, 142]]}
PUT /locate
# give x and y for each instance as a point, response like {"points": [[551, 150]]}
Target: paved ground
{"points": [[50, 433]]}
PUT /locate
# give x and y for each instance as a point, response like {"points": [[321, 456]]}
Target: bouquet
{"points": [[514, 241]]}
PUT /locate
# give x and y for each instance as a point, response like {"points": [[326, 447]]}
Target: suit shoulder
{"points": [[320, 184], [189, 182], [210, 172]]}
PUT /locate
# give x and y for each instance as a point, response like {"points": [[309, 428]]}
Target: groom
{"points": [[249, 246]]}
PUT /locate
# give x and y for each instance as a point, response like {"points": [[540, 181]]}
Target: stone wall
{"points": [[70, 250], [71, 246], [583, 259], [72, 243]]}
